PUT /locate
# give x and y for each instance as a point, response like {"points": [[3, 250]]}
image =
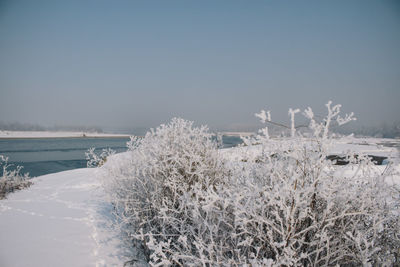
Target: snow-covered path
{"points": [[60, 221]]}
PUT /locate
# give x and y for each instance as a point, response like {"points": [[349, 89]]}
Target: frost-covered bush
{"points": [[294, 208], [154, 191], [183, 204], [11, 180], [96, 160]]}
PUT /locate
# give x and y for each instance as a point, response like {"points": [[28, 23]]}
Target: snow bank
{"points": [[62, 220], [367, 146]]}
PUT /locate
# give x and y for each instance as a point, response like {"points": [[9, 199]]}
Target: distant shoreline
{"points": [[64, 137], [65, 134], [49, 134]]}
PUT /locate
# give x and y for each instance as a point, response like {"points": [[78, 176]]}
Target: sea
{"points": [[49, 155]]}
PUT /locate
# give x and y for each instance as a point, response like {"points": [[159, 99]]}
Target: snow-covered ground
{"points": [[49, 134], [369, 146], [62, 220], [238, 134]]}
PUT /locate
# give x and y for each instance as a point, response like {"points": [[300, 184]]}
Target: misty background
{"points": [[129, 65]]}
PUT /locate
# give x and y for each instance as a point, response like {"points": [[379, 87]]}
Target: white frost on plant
{"points": [[322, 128], [315, 127], [264, 116], [11, 180], [332, 113], [348, 117], [264, 132], [185, 205], [96, 160], [292, 127]]}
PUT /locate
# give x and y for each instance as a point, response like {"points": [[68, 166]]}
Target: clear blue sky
{"points": [[139, 63]]}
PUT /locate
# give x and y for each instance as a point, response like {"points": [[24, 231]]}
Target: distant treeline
{"points": [[17, 126]]}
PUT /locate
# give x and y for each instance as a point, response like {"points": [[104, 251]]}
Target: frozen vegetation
{"points": [[177, 199], [180, 201], [11, 180]]}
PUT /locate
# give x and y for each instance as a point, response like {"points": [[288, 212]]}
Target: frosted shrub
{"points": [[286, 205], [11, 180], [295, 211], [164, 177], [96, 160], [294, 208]]}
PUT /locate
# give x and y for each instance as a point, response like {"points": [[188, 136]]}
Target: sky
{"points": [[140, 63]]}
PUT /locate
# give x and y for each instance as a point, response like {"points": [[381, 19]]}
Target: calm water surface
{"points": [[49, 155]]}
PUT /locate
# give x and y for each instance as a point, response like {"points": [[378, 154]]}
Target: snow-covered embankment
{"points": [[62, 220]]}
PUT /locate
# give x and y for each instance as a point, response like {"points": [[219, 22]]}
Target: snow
{"points": [[238, 134], [368, 146], [62, 220], [49, 134]]}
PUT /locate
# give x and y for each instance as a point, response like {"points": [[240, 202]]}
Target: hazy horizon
{"points": [[117, 64]]}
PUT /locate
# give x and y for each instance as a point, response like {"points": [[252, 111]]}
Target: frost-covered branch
{"points": [[264, 116], [11, 180], [292, 127]]}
